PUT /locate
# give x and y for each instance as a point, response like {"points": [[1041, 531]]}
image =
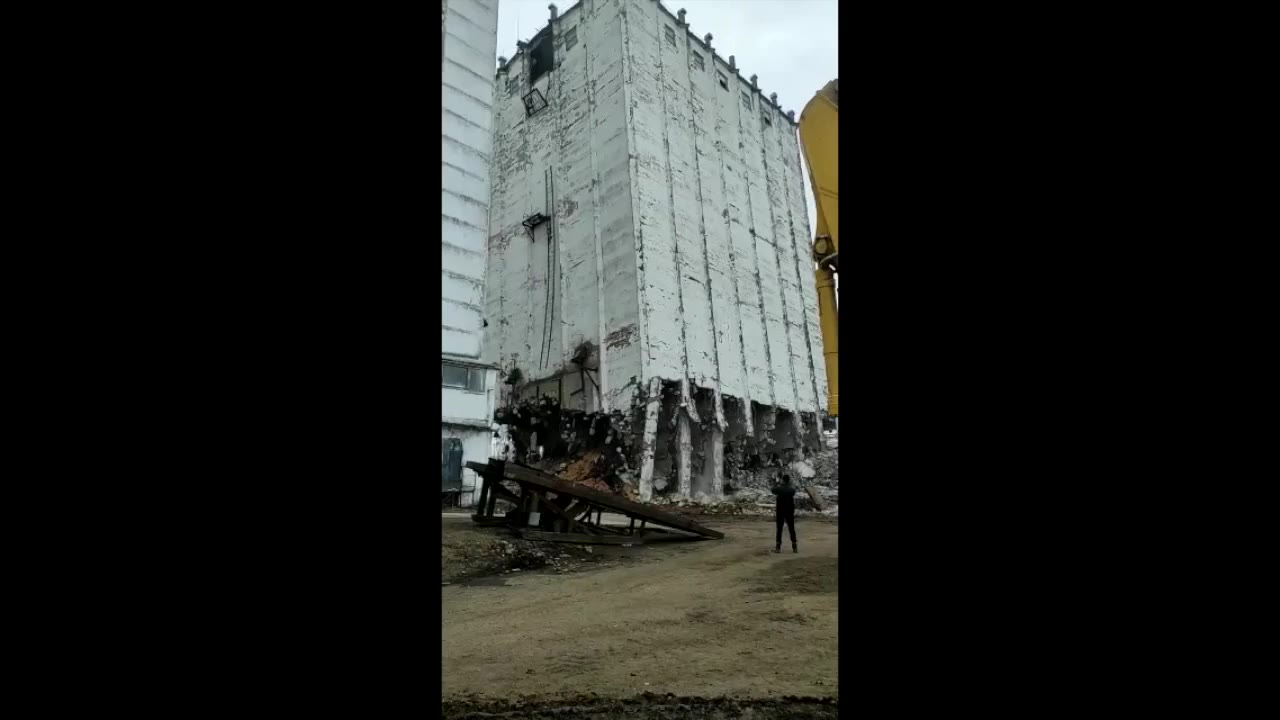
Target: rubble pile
{"points": [[590, 449], [826, 465]]}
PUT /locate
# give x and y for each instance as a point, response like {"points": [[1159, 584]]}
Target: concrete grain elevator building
{"points": [[650, 285], [469, 30]]}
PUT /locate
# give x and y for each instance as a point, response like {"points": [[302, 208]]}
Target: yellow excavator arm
{"points": [[819, 140]]}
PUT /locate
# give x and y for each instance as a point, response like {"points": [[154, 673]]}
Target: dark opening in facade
{"points": [[724, 81], [541, 56]]}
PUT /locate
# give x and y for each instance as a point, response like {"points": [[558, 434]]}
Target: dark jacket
{"points": [[786, 498]]}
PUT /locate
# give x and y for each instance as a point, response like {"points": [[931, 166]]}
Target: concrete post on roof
{"points": [[502, 64], [773, 99], [680, 15], [707, 39], [755, 82], [554, 13], [791, 115], [733, 63]]}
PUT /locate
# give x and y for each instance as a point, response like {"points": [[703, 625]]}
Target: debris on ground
{"points": [[472, 553]]}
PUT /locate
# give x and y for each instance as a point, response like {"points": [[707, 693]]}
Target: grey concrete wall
{"points": [[470, 30]]}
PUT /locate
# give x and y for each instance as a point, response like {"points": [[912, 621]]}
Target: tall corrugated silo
{"points": [[649, 254]]}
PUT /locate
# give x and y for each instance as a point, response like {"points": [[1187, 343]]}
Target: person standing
{"points": [[785, 512]]}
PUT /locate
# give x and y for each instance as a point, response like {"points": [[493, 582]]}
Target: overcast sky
{"points": [[790, 44]]}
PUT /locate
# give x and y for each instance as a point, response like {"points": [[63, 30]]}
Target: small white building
{"points": [[470, 36]]}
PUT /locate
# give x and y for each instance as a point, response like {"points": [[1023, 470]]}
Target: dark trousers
{"points": [[788, 517]]}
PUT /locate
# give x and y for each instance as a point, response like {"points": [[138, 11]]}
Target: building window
{"points": [[541, 57], [697, 61], [513, 82], [724, 81], [765, 116], [671, 35], [462, 377], [746, 101], [570, 39]]}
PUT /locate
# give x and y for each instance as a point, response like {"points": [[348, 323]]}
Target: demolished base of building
{"points": [[676, 444]]}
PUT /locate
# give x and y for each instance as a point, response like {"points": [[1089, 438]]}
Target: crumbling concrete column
{"points": [[649, 440], [716, 458], [684, 460]]}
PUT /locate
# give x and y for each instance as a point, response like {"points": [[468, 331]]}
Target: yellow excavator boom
{"points": [[819, 141]]}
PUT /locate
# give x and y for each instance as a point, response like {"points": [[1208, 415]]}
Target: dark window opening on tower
{"points": [[513, 83], [724, 81], [746, 101], [671, 35], [697, 61], [767, 119], [570, 39], [541, 56]]}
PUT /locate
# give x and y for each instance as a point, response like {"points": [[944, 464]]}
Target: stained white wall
{"points": [[470, 30], [683, 236], [570, 162], [464, 406]]}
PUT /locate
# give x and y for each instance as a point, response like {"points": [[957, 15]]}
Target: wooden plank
{"points": [[537, 478]]}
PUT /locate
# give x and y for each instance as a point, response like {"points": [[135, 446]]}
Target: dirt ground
{"points": [[710, 619]]}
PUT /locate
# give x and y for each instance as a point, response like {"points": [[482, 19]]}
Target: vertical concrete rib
{"points": [[729, 251], [596, 180], [629, 105], [803, 238], [671, 190], [702, 232], [764, 320], [774, 224], [802, 262]]}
